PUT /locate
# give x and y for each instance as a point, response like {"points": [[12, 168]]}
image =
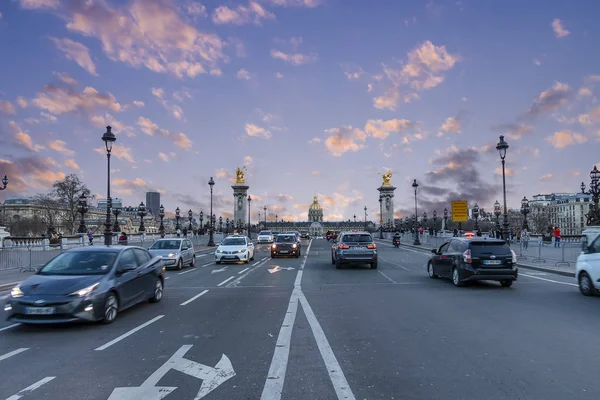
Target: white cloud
{"points": [[241, 14], [562, 139], [279, 75], [344, 139], [22, 102], [69, 163], [35, 4], [7, 107], [163, 157], [294, 58], [61, 147], [559, 30], [546, 177], [138, 103], [243, 74], [452, 125], [77, 52], [381, 129], [257, 131], [158, 92]]}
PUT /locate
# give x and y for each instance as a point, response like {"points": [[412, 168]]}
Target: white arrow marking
{"points": [[31, 388], [214, 271], [211, 378], [278, 268]]}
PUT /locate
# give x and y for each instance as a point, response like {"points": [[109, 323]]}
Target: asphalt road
{"points": [[300, 329]]}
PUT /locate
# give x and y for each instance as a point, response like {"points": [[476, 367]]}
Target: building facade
{"points": [[315, 212], [567, 211], [153, 203]]}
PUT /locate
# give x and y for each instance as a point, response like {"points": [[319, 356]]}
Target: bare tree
{"points": [[51, 211], [67, 193]]}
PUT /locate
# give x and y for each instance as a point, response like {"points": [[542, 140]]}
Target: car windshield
{"points": [[358, 238], [81, 263], [166, 245], [486, 248], [285, 238], [265, 233], [233, 242]]}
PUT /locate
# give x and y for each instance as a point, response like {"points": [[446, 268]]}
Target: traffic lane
{"points": [[436, 341], [241, 324]]}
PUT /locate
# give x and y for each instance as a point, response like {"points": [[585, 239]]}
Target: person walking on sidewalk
{"points": [[556, 236], [90, 237], [525, 238]]}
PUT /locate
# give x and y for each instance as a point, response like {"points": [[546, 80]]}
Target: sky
{"points": [[313, 97]]}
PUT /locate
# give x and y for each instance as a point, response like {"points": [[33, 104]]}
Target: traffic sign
{"points": [[460, 211]]}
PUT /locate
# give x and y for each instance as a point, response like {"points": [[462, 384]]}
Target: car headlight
{"points": [[219, 251], [16, 292], [85, 291], [172, 254]]}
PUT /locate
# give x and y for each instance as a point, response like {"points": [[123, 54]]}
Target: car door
{"points": [[145, 272], [127, 284], [447, 259], [438, 259], [250, 248], [592, 260]]}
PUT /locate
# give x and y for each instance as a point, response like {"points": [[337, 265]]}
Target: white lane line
{"points": [[13, 353], [256, 263], [244, 270], [298, 281], [206, 265], [185, 303], [185, 272], [239, 279], [264, 258], [548, 280], [127, 334], [201, 255], [226, 280], [9, 327], [167, 277], [31, 388], [387, 277], [394, 264], [338, 379]]}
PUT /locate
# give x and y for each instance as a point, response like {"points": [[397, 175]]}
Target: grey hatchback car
{"points": [[175, 252], [354, 248]]}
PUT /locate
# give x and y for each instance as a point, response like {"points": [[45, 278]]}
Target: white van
{"points": [[587, 270]]}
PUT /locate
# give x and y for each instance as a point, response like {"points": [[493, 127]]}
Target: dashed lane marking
{"points": [[185, 303], [244, 270], [225, 281], [13, 353], [127, 334]]}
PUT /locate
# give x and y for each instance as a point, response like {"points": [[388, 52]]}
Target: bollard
{"points": [[539, 257], [521, 256], [562, 261]]}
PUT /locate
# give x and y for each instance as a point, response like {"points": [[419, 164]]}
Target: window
{"points": [[444, 247], [481, 248], [142, 256], [236, 241], [595, 247], [357, 238], [127, 258], [285, 238]]}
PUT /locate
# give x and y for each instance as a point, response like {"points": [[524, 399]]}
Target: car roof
{"points": [[109, 249], [479, 239], [355, 233], [167, 239]]}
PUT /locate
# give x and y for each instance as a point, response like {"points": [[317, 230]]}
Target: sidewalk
{"points": [[546, 265]]}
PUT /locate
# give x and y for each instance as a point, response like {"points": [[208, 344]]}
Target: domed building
{"points": [[315, 218]]}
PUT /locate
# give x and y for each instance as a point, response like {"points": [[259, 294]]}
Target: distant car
{"points": [[89, 284], [175, 252], [329, 235], [474, 259], [286, 245], [295, 233], [235, 248], [265, 237], [305, 235], [353, 248]]}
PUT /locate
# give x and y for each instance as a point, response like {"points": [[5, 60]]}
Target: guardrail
{"points": [[28, 254]]}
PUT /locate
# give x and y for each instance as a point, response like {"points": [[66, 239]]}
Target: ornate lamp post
{"points": [[502, 146], [211, 239], [406, 222], [435, 222], [417, 242], [259, 221], [265, 208], [476, 216], [424, 219], [276, 217], [380, 218], [177, 217], [4, 182], [497, 212], [201, 220], [249, 201], [109, 138], [365, 218], [355, 219], [227, 226], [445, 218], [161, 215], [117, 211], [221, 224], [593, 216], [82, 207], [190, 217], [525, 211], [142, 213]]}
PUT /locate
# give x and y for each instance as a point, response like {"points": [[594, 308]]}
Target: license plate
{"points": [[229, 257], [284, 251], [492, 262], [40, 310]]}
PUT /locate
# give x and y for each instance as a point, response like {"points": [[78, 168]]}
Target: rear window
{"points": [[285, 238], [483, 248], [264, 233], [358, 238]]}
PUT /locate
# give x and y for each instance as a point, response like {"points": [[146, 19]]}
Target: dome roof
{"points": [[315, 205]]}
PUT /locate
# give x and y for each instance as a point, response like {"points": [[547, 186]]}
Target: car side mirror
{"points": [[126, 268], [434, 251], [585, 248]]}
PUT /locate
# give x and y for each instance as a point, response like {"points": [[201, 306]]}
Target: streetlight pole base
{"points": [[211, 240], [108, 234]]}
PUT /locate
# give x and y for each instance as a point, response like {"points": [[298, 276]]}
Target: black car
{"points": [[353, 248], [304, 235], [474, 259], [286, 244], [87, 284]]}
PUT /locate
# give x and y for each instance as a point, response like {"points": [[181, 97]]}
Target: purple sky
{"points": [[312, 96]]}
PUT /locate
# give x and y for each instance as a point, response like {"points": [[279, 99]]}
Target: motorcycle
{"points": [[396, 242]]}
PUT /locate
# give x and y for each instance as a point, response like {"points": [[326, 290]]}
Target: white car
{"points": [[587, 269], [235, 248], [265, 237]]}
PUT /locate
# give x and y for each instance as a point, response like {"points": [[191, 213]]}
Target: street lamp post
{"points": [[525, 211], [177, 216], [82, 207], [435, 222], [265, 208], [355, 219], [365, 218], [161, 215], [227, 226], [380, 218], [593, 216], [425, 219], [190, 217], [201, 222], [249, 201], [4, 182], [109, 139], [211, 239], [417, 242], [259, 221], [142, 213], [476, 216], [445, 218], [221, 224], [502, 146], [276, 217], [117, 212], [497, 212]]}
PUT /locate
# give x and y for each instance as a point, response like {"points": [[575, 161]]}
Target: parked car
{"points": [[474, 259], [265, 237], [235, 248], [175, 252], [87, 283], [286, 245], [352, 248]]}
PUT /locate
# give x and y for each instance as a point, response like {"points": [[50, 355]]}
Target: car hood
{"points": [[231, 248], [163, 253], [264, 236], [58, 285]]}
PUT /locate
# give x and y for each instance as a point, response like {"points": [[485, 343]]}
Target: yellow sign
{"points": [[460, 211]]}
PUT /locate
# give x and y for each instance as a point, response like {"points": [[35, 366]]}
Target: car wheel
{"points": [[338, 265], [456, 277], [332, 259], [180, 264], [506, 283], [586, 286], [111, 308], [193, 262], [374, 265], [158, 291], [217, 262], [252, 258], [430, 271]]}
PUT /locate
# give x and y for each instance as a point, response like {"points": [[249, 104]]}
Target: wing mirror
{"points": [[434, 251], [126, 268]]}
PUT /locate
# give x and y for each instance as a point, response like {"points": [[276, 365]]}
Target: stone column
{"points": [[240, 203], [386, 193]]}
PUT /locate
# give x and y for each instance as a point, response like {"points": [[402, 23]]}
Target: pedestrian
{"points": [[525, 238], [556, 236], [90, 237], [455, 233], [178, 232]]}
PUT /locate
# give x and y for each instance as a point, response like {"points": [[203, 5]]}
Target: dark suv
{"points": [[354, 247], [474, 259]]}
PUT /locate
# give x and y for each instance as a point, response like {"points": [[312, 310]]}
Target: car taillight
{"points": [[343, 246], [514, 256], [467, 256], [372, 246]]}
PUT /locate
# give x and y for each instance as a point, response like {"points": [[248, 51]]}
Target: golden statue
{"points": [[239, 172], [386, 178]]}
